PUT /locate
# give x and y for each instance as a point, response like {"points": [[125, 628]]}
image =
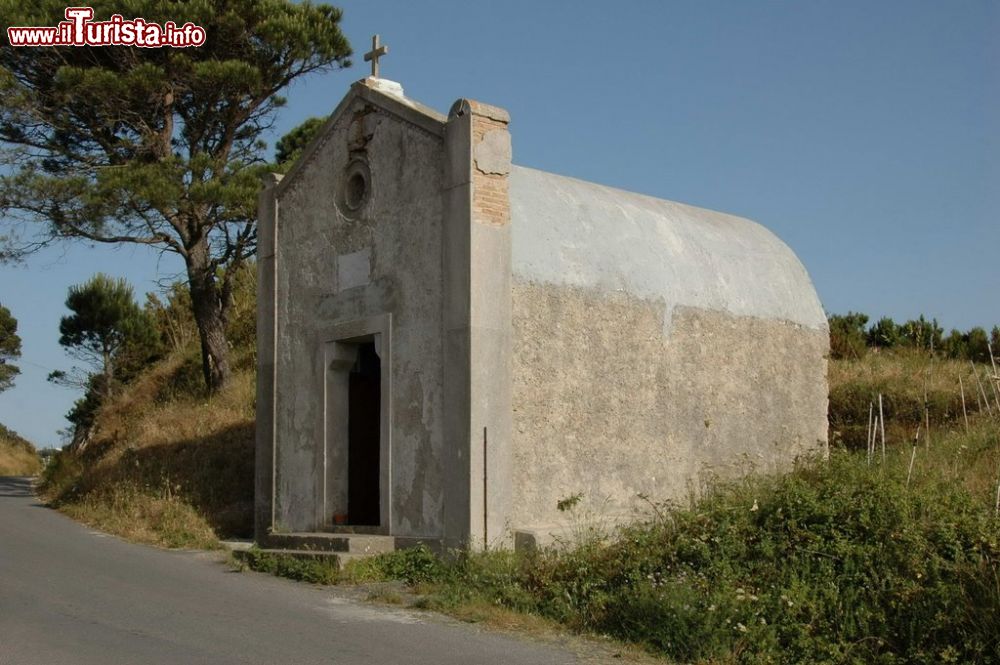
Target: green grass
{"points": [[412, 566], [838, 562], [319, 570]]}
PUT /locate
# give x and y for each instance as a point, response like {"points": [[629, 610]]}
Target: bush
{"points": [[415, 565], [838, 562], [885, 334], [320, 570], [830, 564], [847, 335], [922, 334], [61, 474], [850, 339]]}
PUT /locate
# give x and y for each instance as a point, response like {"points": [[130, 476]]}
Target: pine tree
{"points": [[105, 321], [10, 348], [290, 146], [159, 147]]}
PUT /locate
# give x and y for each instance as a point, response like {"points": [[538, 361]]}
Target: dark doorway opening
{"points": [[363, 433]]}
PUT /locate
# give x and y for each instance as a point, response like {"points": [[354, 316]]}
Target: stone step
{"points": [[349, 543], [236, 544], [332, 557], [341, 559], [345, 558]]}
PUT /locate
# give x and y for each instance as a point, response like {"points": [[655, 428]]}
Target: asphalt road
{"points": [[71, 595]]}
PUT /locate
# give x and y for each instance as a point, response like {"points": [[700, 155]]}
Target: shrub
{"points": [[884, 334], [414, 565], [319, 570], [837, 562], [847, 335], [922, 334]]}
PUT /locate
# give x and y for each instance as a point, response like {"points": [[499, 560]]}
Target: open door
{"points": [[357, 359], [363, 428]]}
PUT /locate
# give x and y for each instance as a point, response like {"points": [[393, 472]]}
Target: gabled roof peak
{"points": [[386, 95], [389, 95], [383, 85]]}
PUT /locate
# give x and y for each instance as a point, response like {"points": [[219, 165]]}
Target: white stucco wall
{"points": [[574, 233]]}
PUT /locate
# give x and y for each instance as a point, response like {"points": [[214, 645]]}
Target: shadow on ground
{"points": [[13, 487]]}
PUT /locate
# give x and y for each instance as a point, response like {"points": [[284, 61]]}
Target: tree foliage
{"points": [[972, 345], [885, 334], [847, 335], [10, 348], [107, 330], [851, 337], [922, 334], [289, 148], [159, 147]]}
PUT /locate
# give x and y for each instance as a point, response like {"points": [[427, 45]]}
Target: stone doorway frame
{"points": [[339, 351]]}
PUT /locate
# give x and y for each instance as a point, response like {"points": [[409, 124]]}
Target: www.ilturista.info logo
{"points": [[79, 30]]}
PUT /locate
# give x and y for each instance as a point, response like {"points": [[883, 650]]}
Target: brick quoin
{"points": [[490, 194]]}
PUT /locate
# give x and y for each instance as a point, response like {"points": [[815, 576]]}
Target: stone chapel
{"points": [[450, 344]]}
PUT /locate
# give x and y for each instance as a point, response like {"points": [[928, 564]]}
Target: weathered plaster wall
{"points": [[655, 346], [608, 406], [335, 267]]}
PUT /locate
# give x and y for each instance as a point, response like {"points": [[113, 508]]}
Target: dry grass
{"points": [[971, 460], [903, 368], [908, 380], [17, 456], [591, 648], [167, 465], [135, 514]]}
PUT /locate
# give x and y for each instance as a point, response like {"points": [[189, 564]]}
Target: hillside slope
{"points": [[166, 465], [17, 456]]}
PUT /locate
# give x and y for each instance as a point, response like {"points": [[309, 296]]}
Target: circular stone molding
{"points": [[355, 186]]}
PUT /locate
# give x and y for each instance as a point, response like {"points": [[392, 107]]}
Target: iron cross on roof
{"points": [[378, 50]]}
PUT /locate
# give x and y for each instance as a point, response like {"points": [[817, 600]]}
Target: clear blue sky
{"points": [[865, 134]]}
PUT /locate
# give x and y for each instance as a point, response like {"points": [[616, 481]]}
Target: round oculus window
{"points": [[355, 187]]}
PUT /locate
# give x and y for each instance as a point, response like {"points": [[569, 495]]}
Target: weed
{"points": [[415, 565], [569, 502], [909, 381], [314, 570]]}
